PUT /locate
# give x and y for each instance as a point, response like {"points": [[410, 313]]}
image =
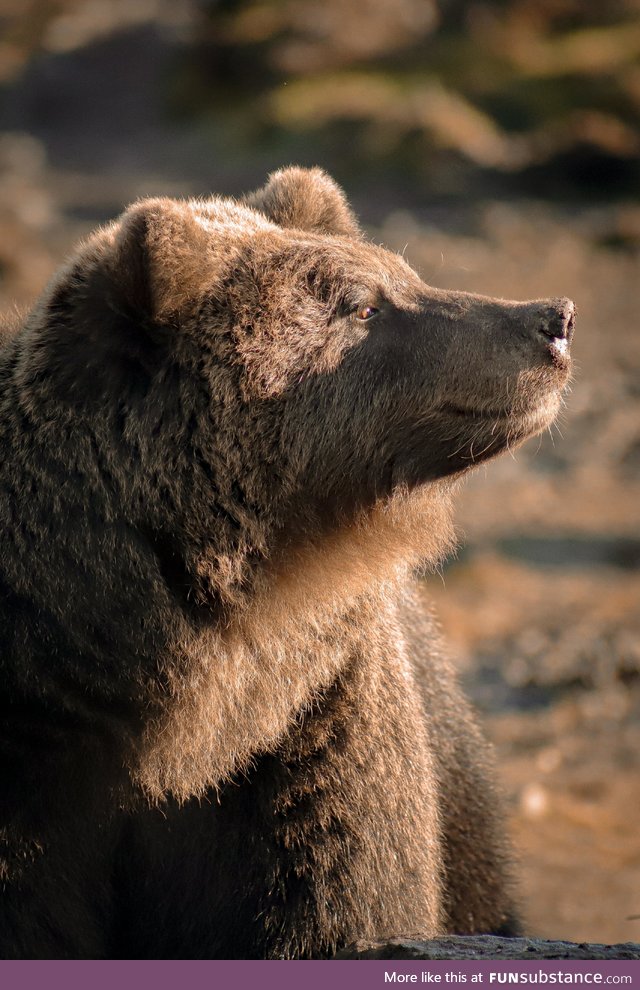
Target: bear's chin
{"points": [[490, 432], [522, 422], [473, 437]]}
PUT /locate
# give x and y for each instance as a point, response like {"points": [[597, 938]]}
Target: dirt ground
{"points": [[541, 604]]}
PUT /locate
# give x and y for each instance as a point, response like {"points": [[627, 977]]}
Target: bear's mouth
{"points": [[499, 426], [527, 410], [469, 412]]}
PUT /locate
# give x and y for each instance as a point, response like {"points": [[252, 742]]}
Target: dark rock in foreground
{"points": [[487, 947]]}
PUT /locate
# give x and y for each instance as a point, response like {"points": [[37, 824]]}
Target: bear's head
{"points": [[269, 376]]}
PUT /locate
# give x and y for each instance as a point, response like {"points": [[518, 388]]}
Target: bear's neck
{"points": [[238, 688]]}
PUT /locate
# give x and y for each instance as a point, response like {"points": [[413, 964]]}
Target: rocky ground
{"points": [[541, 605]]}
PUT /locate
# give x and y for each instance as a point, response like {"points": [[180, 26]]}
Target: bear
{"points": [[230, 434]]}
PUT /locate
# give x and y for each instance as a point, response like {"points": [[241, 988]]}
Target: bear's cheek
{"points": [[278, 365]]}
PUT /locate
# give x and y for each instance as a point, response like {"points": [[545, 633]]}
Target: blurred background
{"points": [[497, 144]]}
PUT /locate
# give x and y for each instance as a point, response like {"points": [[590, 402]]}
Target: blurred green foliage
{"points": [[540, 96], [451, 97]]}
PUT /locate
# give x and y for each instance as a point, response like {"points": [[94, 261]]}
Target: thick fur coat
{"points": [[228, 435]]}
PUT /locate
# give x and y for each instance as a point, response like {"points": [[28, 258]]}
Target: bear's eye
{"points": [[366, 312]]}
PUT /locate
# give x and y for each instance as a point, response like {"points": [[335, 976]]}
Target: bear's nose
{"points": [[558, 320]]}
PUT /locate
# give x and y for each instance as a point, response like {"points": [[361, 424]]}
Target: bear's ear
{"points": [[159, 258], [110, 313], [305, 199]]}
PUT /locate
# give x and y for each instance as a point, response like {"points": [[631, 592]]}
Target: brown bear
{"points": [[229, 433]]}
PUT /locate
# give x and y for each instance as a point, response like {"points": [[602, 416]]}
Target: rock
{"points": [[486, 947]]}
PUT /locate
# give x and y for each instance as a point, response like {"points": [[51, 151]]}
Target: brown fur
{"points": [[217, 685]]}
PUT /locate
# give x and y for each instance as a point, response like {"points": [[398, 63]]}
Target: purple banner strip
{"points": [[331, 975]]}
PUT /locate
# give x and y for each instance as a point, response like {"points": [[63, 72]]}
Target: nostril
{"points": [[559, 320]]}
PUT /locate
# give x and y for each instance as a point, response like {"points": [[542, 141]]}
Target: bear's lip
{"points": [[532, 406], [545, 408], [468, 412]]}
